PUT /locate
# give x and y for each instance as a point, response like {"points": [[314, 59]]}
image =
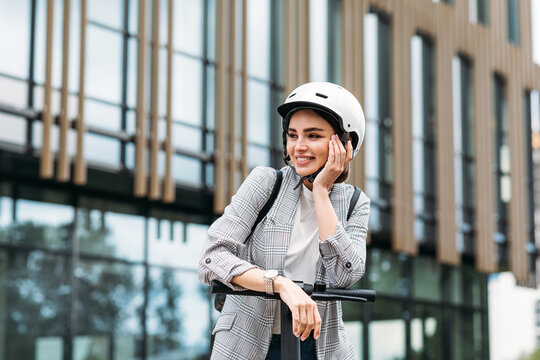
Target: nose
{"points": [[301, 143]]}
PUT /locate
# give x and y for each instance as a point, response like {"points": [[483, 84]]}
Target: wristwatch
{"points": [[269, 276]]}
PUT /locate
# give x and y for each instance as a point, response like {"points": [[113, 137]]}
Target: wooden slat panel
{"points": [[358, 174], [80, 163], [244, 84], [232, 100], [169, 193], [140, 186], [484, 132], [46, 161], [155, 183], [446, 229], [220, 194], [63, 173], [403, 216]]}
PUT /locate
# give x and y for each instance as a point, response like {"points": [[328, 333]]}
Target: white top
{"points": [[303, 252]]}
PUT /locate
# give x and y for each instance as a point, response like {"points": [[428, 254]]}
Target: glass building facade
{"points": [[94, 271]]}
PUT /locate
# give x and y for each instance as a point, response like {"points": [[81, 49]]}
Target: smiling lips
{"points": [[304, 160]]}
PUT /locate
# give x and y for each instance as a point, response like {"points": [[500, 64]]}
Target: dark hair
{"points": [[335, 126]]}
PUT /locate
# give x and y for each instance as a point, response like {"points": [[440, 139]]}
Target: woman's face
{"points": [[307, 141]]}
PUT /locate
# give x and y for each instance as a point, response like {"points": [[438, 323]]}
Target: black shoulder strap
{"points": [[270, 200], [354, 200]]}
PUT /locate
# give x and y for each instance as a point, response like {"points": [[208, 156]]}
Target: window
{"points": [[423, 130], [325, 40], [513, 21], [479, 11], [532, 146], [503, 189], [464, 156], [379, 145]]}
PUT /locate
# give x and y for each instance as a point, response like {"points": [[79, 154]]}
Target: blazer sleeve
{"points": [[344, 252], [221, 259]]}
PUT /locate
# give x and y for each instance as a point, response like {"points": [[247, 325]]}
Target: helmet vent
{"points": [[290, 96], [321, 95]]}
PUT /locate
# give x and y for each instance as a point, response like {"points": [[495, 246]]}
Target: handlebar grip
{"points": [[219, 288], [367, 294]]}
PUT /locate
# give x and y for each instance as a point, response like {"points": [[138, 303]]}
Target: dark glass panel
{"points": [[108, 229], [387, 273], [34, 307], [427, 279], [387, 322], [109, 305], [427, 333], [178, 315]]}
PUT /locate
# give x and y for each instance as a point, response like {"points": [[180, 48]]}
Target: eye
{"points": [[314, 136], [291, 135]]}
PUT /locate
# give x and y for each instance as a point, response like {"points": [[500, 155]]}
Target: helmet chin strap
{"points": [[309, 178]]}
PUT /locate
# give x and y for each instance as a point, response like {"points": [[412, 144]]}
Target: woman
{"points": [[304, 237]]}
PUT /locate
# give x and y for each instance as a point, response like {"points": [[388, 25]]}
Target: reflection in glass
{"points": [[41, 224], [111, 234], [102, 149], [34, 295], [387, 273], [13, 92], [13, 129], [258, 119], [103, 73], [186, 170], [106, 12], [187, 90], [109, 304], [427, 279], [258, 39], [318, 45], [427, 333], [188, 26], [15, 21], [102, 115], [177, 316], [387, 331]]}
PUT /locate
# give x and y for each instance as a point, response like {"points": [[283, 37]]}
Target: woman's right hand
{"points": [[305, 314]]}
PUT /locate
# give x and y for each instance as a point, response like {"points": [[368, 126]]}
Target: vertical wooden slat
{"points": [[63, 172], [446, 227], [46, 160], [357, 168], [484, 137], [140, 136], [169, 193], [220, 193], [80, 163], [244, 84], [232, 102], [155, 183]]}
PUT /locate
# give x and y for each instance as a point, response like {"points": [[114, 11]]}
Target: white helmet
{"points": [[331, 99]]}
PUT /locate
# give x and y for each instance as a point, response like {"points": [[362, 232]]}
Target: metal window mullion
{"points": [[31, 83], [125, 52], [155, 188], [63, 173], [140, 186], [169, 194], [80, 175], [46, 160]]}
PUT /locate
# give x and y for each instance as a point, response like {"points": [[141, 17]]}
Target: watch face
{"points": [[270, 274]]}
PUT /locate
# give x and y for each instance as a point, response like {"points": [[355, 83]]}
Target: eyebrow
{"points": [[308, 129]]}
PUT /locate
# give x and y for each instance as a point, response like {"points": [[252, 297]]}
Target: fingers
{"points": [[318, 323]]}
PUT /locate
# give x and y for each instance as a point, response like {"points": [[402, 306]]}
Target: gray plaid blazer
{"points": [[244, 328]]}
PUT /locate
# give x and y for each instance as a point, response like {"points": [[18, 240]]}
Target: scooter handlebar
{"points": [[357, 295]]}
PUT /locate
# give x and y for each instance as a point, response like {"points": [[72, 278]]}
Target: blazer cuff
{"points": [[335, 244]]}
